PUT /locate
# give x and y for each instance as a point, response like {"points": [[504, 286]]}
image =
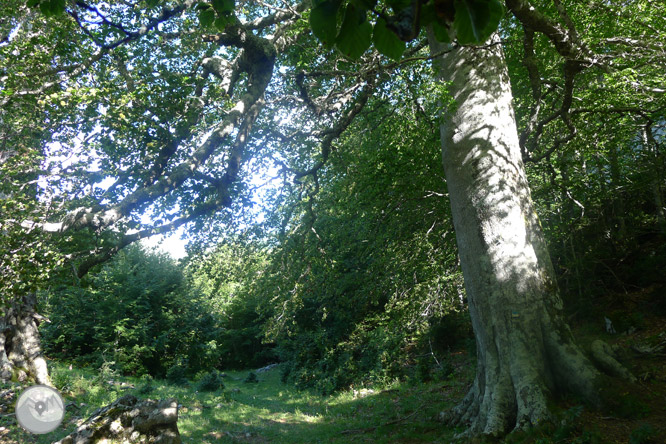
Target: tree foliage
{"points": [[135, 315], [303, 137], [227, 278], [143, 313], [593, 142], [365, 268]]}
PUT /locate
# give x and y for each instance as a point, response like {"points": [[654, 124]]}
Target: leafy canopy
{"points": [[352, 26], [349, 25]]}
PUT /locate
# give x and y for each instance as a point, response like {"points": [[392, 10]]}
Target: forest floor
{"points": [[270, 411], [267, 411], [639, 416]]}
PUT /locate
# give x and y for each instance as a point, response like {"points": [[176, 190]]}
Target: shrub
{"points": [[107, 370], [145, 389], [449, 332], [211, 382], [146, 385], [146, 318], [644, 434], [423, 368], [251, 378], [176, 374]]}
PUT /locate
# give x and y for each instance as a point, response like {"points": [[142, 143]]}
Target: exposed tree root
{"points": [[604, 356], [504, 401], [496, 414]]}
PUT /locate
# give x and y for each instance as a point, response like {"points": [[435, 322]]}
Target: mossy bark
{"points": [[21, 357]]}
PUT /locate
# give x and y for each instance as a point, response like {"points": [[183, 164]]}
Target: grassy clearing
{"points": [[270, 411], [266, 411]]}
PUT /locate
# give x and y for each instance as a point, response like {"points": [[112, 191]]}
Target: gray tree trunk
{"points": [[525, 350], [21, 357]]}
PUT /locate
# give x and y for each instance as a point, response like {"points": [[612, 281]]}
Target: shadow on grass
{"points": [[271, 411], [265, 412]]}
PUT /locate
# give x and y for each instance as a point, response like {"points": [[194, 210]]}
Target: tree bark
{"points": [[525, 350], [21, 356]]}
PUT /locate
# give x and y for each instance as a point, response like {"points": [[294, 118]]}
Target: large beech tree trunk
{"points": [[525, 350], [21, 356]]}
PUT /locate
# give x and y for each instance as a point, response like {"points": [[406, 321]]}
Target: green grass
{"points": [[268, 411]]}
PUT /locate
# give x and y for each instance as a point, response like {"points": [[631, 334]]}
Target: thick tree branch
{"points": [[565, 41], [103, 255], [577, 56], [105, 19], [258, 57], [279, 16], [571, 68]]}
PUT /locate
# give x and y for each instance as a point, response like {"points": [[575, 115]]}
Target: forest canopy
{"points": [[300, 145]]}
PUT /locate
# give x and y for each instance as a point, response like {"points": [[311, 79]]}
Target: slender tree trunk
{"points": [[657, 179], [618, 198], [525, 350], [21, 356]]}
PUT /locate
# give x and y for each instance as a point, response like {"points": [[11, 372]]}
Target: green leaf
{"points": [[224, 6], [441, 32], [386, 41], [476, 20], [428, 14], [32, 3], [57, 6], [45, 8], [206, 17], [399, 4], [152, 3], [323, 20], [221, 22], [365, 4], [355, 33], [52, 7]]}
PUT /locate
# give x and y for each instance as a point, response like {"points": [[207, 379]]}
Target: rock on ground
{"points": [[130, 420], [265, 369]]}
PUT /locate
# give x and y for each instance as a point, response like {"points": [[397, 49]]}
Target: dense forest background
{"points": [[320, 229]]}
